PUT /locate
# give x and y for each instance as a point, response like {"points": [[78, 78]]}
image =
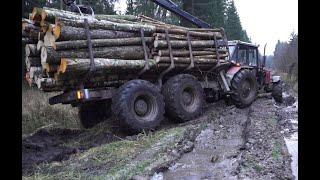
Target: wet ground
{"points": [[250, 143]]}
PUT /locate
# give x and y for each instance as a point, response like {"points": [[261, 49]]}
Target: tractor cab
{"points": [[245, 54]]}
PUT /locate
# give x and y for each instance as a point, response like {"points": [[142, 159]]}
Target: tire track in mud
{"points": [[56, 144], [221, 150], [216, 149], [238, 144]]}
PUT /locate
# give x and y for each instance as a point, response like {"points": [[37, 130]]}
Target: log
{"points": [[68, 65], [49, 14], [49, 39], [162, 36], [200, 60], [32, 62], [40, 44], [209, 35], [64, 33], [51, 56], [31, 50], [183, 44], [184, 53], [26, 40], [78, 44], [123, 17], [108, 25]]}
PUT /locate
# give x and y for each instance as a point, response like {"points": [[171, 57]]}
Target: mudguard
{"points": [[231, 72]]}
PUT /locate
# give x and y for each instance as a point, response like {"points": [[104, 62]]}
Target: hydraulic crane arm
{"points": [[172, 7]]}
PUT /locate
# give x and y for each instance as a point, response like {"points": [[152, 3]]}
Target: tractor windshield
{"points": [[231, 50]]}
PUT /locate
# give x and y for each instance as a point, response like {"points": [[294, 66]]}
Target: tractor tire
{"points": [[138, 105], [92, 113], [277, 92], [184, 97], [245, 87]]}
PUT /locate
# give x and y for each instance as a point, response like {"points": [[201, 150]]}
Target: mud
{"points": [[55, 144], [216, 148], [237, 144], [224, 143]]}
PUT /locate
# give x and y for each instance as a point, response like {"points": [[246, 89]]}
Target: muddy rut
{"points": [[234, 144]]}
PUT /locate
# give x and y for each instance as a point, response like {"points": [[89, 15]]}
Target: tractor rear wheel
{"points": [[184, 97], [244, 84], [138, 105], [277, 92], [92, 113]]}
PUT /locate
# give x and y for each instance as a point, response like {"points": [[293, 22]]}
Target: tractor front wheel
{"points": [[244, 84]]}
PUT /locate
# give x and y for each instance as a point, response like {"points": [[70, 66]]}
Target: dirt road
{"points": [[224, 143]]}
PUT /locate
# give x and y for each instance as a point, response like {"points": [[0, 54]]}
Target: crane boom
{"points": [[172, 7]]}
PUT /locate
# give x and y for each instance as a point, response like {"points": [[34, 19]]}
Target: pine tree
{"points": [[233, 25]]}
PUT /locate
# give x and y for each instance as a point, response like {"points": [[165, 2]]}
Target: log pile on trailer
{"points": [[61, 45]]}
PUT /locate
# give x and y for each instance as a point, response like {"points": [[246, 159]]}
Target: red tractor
{"points": [[250, 68]]}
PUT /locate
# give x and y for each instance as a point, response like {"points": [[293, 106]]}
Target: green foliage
{"points": [[150, 9], [101, 6], [286, 58], [233, 25], [36, 111]]}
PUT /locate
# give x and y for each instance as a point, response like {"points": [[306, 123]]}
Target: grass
{"points": [[36, 111], [290, 81], [276, 151], [116, 160]]}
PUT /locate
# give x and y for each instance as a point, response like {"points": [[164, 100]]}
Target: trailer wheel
{"points": [[184, 97], [244, 84], [92, 113], [277, 92], [138, 105]]}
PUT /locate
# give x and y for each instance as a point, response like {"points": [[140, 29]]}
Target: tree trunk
{"points": [[185, 53], [199, 60], [64, 33], [183, 44], [78, 44], [108, 65], [31, 50], [95, 24], [32, 62], [51, 56]]}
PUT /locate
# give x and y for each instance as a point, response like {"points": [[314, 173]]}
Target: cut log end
{"points": [[56, 31], [36, 14], [63, 66], [43, 56]]}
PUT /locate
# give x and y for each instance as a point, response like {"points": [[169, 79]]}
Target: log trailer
{"points": [[141, 103]]}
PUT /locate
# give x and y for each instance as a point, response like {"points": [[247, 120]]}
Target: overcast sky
{"points": [[265, 21]]}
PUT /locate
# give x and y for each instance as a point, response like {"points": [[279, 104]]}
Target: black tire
{"points": [[92, 113], [184, 97], [138, 105], [244, 84], [277, 92]]}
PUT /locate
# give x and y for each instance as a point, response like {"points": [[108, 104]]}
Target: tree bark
{"points": [[183, 44], [32, 62], [199, 60], [78, 44], [31, 50], [51, 56], [108, 25], [184, 53], [64, 33], [108, 65]]}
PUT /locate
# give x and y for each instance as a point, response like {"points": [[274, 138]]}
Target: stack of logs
{"points": [[58, 56]]}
